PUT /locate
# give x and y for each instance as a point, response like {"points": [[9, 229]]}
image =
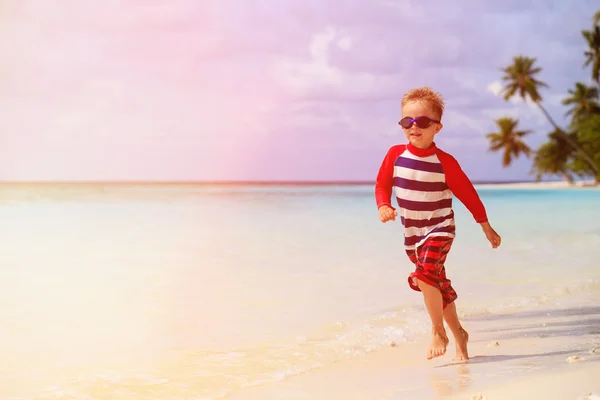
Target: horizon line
{"points": [[236, 182]]}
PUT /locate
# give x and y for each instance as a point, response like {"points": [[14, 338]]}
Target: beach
{"points": [[243, 292]]}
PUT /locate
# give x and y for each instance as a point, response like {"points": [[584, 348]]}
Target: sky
{"points": [[267, 90]]}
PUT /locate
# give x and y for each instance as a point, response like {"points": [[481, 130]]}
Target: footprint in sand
{"points": [[478, 396], [493, 344], [595, 350], [573, 358]]}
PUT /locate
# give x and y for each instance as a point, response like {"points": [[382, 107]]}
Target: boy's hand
{"points": [[491, 235], [387, 213]]}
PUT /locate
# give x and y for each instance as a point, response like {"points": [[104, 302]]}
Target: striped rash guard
{"points": [[423, 182]]}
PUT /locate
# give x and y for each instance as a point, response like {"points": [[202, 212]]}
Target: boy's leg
{"points": [[461, 337], [435, 308], [430, 279]]}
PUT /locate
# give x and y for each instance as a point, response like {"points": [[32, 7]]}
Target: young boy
{"points": [[423, 179]]}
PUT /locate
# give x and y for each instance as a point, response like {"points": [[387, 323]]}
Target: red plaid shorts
{"points": [[429, 261]]}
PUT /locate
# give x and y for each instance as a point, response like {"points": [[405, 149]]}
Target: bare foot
{"points": [[461, 346], [439, 341]]}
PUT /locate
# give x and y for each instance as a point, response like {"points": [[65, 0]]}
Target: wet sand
{"points": [[547, 353]]}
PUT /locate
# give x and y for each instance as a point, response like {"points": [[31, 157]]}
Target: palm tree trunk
{"points": [[568, 178], [574, 145]]}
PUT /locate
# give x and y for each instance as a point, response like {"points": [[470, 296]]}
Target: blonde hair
{"points": [[424, 93]]}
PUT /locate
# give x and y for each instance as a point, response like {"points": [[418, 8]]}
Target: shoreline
{"points": [[586, 184], [542, 353]]}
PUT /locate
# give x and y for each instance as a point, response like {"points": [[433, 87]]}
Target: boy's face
{"points": [[420, 137]]}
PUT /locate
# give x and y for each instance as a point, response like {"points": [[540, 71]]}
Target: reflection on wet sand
{"points": [[452, 381]]}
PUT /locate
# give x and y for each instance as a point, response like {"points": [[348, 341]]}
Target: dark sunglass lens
{"points": [[423, 122], [406, 122]]}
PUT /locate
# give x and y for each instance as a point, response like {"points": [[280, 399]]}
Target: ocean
{"points": [[197, 291]]}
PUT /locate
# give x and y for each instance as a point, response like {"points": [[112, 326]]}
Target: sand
{"points": [[540, 354]]}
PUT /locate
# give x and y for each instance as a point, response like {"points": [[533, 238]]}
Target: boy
{"points": [[423, 179]]}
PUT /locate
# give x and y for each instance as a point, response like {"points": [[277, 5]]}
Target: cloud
{"points": [[495, 87], [317, 76]]}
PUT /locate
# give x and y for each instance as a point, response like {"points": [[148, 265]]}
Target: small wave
{"points": [[212, 375]]}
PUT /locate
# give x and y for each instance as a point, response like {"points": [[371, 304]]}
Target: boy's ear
{"points": [[438, 127]]}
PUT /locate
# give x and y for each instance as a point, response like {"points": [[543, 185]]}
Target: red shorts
{"points": [[429, 261]]}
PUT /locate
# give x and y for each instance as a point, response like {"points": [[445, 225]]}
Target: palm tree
{"points": [[596, 18], [588, 135], [552, 158], [592, 54], [508, 139], [583, 100], [520, 78]]}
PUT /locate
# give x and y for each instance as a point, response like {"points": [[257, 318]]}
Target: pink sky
{"points": [[290, 90]]}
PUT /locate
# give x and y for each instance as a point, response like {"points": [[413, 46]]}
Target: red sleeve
{"points": [[385, 178], [461, 186]]}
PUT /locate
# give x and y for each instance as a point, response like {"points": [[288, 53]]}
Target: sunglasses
{"points": [[421, 122]]}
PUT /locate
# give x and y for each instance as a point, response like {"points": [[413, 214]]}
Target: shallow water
{"points": [[194, 291]]}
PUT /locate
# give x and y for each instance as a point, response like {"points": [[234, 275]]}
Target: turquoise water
{"points": [[196, 291]]}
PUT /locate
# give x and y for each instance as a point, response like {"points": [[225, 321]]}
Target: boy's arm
{"points": [[384, 183], [462, 188]]}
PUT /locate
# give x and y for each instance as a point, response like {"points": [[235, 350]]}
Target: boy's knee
{"points": [[424, 286]]}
